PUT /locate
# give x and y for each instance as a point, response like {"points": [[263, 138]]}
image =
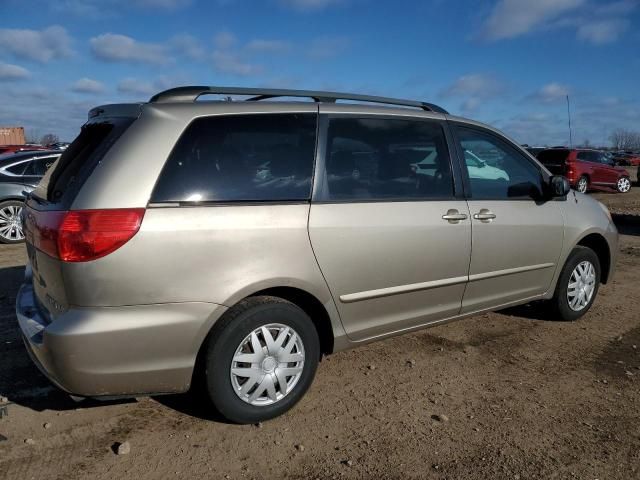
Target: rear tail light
{"points": [[82, 235]]}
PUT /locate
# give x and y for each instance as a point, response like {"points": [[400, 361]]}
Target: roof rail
{"points": [[191, 93]]}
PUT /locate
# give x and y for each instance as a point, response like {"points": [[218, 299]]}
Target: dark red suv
{"points": [[586, 169]]}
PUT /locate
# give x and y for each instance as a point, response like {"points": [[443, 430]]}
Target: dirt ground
{"points": [[498, 396]]}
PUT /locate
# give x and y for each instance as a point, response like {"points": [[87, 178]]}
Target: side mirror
{"points": [[559, 186]]}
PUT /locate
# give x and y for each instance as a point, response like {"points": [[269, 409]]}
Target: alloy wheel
{"points": [[11, 224], [624, 185], [267, 364], [582, 185], [582, 284]]}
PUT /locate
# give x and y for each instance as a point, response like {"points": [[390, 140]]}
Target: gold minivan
{"points": [[239, 241]]}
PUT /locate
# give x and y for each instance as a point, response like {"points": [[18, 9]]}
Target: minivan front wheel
{"points": [[10, 222], [623, 185], [260, 360], [577, 285], [583, 184]]}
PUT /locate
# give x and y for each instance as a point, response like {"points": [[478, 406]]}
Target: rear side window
{"points": [[63, 180], [378, 159], [39, 166], [18, 168], [241, 158]]}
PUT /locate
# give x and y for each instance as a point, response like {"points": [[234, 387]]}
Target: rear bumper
{"points": [[117, 351]]}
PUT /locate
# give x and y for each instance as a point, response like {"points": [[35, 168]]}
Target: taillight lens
{"points": [[82, 235]]}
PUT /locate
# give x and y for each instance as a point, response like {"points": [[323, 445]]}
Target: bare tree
{"points": [[49, 138], [32, 135], [622, 139]]}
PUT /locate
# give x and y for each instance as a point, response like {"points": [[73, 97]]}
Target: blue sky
{"points": [[509, 63]]}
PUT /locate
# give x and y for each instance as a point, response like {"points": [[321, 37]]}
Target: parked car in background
{"points": [[232, 244], [4, 149], [627, 158], [534, 150], [19, 174], [58, 146], [586, 169]]}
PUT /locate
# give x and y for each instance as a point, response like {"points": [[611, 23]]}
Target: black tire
{"points": [[559, 304], [6, 205], [582, 180], [227, 336]]}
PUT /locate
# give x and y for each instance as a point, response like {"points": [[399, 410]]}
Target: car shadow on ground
{"points": [[627, 224], [20, 380]]}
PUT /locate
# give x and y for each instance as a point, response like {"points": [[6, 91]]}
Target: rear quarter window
{"points": [[67, 174], [260, 157]]}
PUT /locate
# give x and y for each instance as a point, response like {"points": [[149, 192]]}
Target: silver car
{"points": [[234, 243]]}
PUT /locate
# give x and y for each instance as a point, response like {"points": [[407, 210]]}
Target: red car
{"points": [[628, 158], [586, 169], [20, 148]]}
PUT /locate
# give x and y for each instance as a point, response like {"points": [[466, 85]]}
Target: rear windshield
{"points": [[553, 157], [265, 157], [63, 180]]}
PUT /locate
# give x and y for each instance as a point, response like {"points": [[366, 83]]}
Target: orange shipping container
{"points": [[12, 136]]}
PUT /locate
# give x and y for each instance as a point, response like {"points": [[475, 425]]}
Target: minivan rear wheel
{"points": [[10, 222], [260, 359], [577, 285]]}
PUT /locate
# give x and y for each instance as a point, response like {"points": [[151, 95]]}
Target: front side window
{"points": [[378, 159], [258, 157], [495, 169]]}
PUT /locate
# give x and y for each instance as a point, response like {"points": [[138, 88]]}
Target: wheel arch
{"points": [[600, 246], [312, 307], [308, 302]]}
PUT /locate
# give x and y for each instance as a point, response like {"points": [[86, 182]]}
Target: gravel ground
{"points": [[498, 396]]}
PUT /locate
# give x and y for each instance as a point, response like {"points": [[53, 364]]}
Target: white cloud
{"points": [[512, 18], [268, 46], [188, 45], [161, 4], [227, 62], [39, 45], [477, 85], [112, 47], [600, 32], [9, 72], [309, 5], [224, 40], [107, 8], [136, 87], [551, 93], [88, 85]]}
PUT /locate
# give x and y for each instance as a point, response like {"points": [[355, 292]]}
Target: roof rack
{"points": [[191, 93]]}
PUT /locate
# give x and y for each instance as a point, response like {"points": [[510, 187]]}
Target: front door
{"points": [[389, 234], [516, 235]]}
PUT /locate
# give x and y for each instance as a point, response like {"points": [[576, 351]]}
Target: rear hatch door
{"points": [[52, 197]]}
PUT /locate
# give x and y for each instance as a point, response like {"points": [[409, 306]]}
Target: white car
{"points": [[478, 168]]}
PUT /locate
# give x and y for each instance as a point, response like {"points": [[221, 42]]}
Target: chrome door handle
{"points": [[454, 216], [484, 215]]}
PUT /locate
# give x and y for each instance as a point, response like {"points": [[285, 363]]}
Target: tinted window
{"points": [[241, 158], [387, 159], [18, 168], [64, 179], [495, 169], [39, 166]]}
